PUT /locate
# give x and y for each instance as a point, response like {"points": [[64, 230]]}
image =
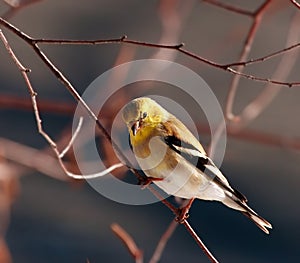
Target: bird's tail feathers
{"points": [[240, 205], [262, 223]]}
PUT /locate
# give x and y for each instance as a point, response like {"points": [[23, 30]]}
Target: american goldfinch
{"points": [[174, 159]]}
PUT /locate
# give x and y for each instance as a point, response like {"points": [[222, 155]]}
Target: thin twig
{"points": [[53, 145], [295, 3], [71, 142], [95, 175], [244, 54], [50, 141], [179, 47], [72, 91], [76, 95], [163, 242], [199, 242], [128, 241], [257, 16], [34, 44], [263, 58], [286, 64]]}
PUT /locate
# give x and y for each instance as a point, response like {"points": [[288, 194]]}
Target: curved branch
{"points": [[128, 241], [33, 42], [163, 241], [258, 14]]}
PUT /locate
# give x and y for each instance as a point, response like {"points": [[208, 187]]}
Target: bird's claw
{"points": [[183, 212], [182, 215]]}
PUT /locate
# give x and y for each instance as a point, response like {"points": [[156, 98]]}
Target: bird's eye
{"points": [[144, 115]]}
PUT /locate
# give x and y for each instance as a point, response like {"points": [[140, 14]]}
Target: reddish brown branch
{"points": [[199, 242], [34, 44], [123, 40], [75, 94], [128, 241], [58, 74], [295, 3], [163, 242], [284, 67], [258, 14], [263, 58]]}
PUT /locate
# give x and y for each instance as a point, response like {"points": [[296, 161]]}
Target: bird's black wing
{"points": [[202, 162]]}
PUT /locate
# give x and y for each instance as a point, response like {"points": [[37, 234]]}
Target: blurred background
{"points": [[46, 217]]}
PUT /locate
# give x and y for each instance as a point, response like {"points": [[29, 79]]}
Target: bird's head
{"points": [[143, 112]]}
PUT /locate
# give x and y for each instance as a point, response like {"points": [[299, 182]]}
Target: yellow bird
{"points": [[175, 160]]}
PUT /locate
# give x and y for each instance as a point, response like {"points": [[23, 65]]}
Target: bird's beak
{"points": [[135, 127]]}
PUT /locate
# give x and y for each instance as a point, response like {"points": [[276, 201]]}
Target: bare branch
{"points": [[263, 58], [96, 175], [295, 3], [265, 80], [255, 107], [199, 242], [244, 54], [163, 242], [64, 151], [179, 47], [50, 141], [34, 43], [70, 88], [128, 241], [75, 94]]}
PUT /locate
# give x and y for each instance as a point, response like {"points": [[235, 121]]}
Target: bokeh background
{"points": [[52, 220]]}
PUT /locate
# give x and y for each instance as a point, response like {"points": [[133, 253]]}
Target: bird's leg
{"points": [[146, 181], [183, 212]]}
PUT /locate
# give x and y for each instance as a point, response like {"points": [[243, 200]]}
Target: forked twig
{"points": [[128, 241], [163, 242], [124, 40], [24, 71], [267, 95], [76, 95], [258, 14]]}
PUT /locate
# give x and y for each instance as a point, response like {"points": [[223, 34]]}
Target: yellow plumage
{"points": [[165, 149]]}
